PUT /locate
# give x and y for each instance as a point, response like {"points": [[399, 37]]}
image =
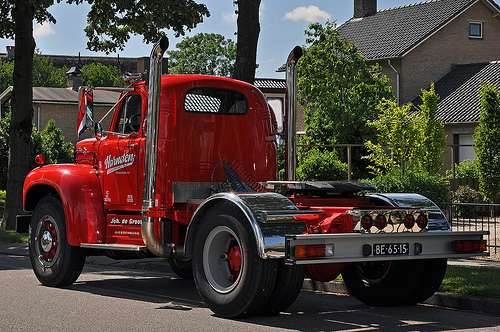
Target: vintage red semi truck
{"points": [[188, 171]]}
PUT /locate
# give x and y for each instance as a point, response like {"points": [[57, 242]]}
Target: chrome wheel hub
{"points": [[47, 241]]}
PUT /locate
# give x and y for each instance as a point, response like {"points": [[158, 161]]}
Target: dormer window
{"points": [[476, 30]]}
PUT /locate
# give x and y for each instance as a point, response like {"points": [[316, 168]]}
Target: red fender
{"points": [[80, 192]]}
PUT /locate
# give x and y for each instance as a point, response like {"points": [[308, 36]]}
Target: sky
{"points": [[282, 25]]}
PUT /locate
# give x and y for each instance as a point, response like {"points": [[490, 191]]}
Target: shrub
{"points": [[465, 169], [431, 186], [319, 165], [466, 194]]}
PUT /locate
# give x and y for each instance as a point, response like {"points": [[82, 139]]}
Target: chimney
{"points": [[10, 52], [74, 76], [363, 8]]}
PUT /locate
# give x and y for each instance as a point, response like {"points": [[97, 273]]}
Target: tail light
{"points": [[367, 221], [40, 159], [409, 221], [380, 221], [469, 245], [314, 250], [422, 221]]}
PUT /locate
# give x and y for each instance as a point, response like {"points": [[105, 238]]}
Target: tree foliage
{"points": [[486, 140], [44, 73], [204, 53], [110, 24], [49, 142], [397, 134], [338, 90], [97, 74], [408, 139], [433, 140]]}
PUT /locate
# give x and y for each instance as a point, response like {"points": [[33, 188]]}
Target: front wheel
{"points": [[54, 261], [229, 274]]}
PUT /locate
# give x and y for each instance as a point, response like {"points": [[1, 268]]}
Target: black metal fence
{"points": [[475, 217]]}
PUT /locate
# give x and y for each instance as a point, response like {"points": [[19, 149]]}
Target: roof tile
{"points": [[390, 33]]}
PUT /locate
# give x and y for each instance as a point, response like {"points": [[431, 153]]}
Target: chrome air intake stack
{"points": [[151, 153], [291, 113]]}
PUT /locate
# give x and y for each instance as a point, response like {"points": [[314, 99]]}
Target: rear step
{"points": [[121, 247]]}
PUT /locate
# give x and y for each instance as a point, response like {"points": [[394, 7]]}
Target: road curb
{"points": [[445, 300], [439, 299]]}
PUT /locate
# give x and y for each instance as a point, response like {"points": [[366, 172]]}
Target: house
{"points": [[454, 43], [416, 44], [459, 92]]}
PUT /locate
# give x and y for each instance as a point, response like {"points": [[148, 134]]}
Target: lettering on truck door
{"points": [[119, 163]]}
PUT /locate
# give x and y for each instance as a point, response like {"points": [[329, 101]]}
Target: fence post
{"points": [[348, 163], [453, 161]]}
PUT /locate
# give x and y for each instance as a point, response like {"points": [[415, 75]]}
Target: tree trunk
{"points": [[248, 36], [22, 111]]}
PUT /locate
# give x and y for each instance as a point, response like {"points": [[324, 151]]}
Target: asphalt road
{"points": [[108, 298]]}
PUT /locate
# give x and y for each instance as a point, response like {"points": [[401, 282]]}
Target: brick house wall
{"points": [[450, 45], [65, 117]]}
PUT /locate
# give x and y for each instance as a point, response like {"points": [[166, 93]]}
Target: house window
{"points": [[475, 30]]}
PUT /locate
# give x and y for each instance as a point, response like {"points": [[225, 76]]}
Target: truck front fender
{"points": [[270, 215], [77, 186]]}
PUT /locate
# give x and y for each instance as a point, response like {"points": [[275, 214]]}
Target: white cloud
{"points": [[229, 17], [44, 29], [307, 14]]}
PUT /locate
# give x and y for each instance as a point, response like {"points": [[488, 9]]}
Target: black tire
{"points": [[432, 275], [383, 284], [289, 281], [54, 261], [230, 286], [183, 267]]}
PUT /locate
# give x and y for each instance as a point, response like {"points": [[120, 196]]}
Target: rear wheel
{"points": [[54, 261], [432, 275], [183, 267], [383, 283], [289, 280], [229, 274]]}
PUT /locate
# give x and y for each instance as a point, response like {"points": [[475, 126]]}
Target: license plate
{"points": [[389, 249]]}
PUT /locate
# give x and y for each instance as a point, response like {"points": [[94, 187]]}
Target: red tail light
{"points": [[409, 221], [469, 245], [313, 250], [39, 159], [380, 221], [422, 221], [366, 221]]}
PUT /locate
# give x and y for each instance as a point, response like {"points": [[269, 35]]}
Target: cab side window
{"points": [[129, 120]]}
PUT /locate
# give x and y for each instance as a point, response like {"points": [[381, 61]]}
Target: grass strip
{"points": [[13, 237], [468, 280]]}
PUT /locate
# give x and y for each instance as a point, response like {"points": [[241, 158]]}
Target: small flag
{"points": [[85, 111]]}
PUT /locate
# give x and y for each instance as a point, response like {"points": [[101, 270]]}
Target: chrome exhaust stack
{"points": [[291, 113], [151, 153]]}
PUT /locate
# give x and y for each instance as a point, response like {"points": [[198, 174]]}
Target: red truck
{"points": [[188, 171]]}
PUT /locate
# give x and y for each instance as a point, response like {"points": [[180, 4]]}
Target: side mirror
{"points": [[98, 129], [85, 110]]}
